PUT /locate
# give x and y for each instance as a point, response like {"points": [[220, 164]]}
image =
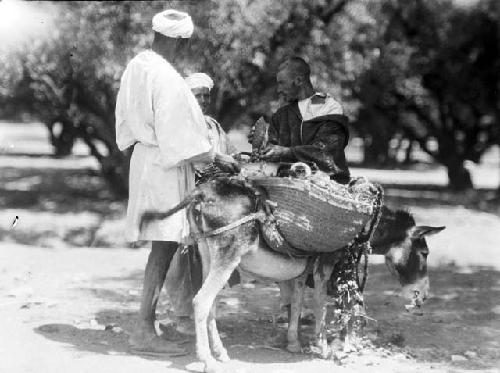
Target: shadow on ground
{"points": [[73, 207], [460, 318], [59, 208], [55, 190]]}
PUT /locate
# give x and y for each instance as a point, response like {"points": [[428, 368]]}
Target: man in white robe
{"points": [[201, 85], [157, 114], [186, 267]]}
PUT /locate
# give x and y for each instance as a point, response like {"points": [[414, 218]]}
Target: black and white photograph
{"points": [[250, 186]]}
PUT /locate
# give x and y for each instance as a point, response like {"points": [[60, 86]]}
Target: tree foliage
{"points": [[406, 69], [69, 77], [433, 80]]}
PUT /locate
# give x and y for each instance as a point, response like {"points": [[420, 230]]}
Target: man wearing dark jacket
{"points": [[311, 127]]}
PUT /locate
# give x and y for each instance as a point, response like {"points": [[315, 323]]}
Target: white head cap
{"points": [[199, 80], [173, 24]]}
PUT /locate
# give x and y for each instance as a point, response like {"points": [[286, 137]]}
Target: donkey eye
{"points": [[425, 255]]}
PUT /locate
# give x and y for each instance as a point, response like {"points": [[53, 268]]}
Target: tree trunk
{"points": [[115, 170], [459, 178], [62, 138], [376, 151]]}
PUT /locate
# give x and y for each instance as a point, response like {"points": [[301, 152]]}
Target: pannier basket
{"points": [[321, 216]]}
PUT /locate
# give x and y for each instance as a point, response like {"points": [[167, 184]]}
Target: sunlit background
{"points": [[21, 21]]}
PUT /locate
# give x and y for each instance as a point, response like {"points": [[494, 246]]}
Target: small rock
{"points": [[470, 354], [113, 328], [457, 358]]}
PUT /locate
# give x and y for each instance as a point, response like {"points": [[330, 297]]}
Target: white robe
{"points": [[156, 111]]}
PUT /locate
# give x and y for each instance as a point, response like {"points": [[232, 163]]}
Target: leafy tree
{"points": [[70, 78], [433, 81], [394, 67]]}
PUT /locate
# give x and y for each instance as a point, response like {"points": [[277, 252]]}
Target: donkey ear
{"points": [[424, 230]]}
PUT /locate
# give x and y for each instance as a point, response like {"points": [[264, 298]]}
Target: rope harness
{"points": [[255, 216], [262, 209]]}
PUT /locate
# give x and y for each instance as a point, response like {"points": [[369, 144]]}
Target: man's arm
{"points": [[275, 151], [326, 148]]}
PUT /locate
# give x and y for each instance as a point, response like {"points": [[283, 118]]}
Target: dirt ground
{"points": [[69, 290]]}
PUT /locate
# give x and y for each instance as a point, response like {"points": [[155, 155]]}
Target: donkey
{"points": [[216, 211]]}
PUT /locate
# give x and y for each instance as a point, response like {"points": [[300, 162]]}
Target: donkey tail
{"points": [[148, 216]]}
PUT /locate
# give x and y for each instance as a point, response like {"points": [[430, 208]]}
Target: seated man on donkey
{"points": [[311, 127]]}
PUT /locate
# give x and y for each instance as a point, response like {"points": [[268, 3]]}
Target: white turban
{"points": [[173, 24], [199, 80]]}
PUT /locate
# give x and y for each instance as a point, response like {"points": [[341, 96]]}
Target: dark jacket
{"points": [[321, 140]]}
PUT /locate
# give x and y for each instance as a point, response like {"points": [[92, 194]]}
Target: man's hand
{"points": [[227, 163], [275, 152]]}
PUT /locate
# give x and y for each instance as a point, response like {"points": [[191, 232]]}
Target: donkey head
{"points": [[405, 249], [408, 260]]}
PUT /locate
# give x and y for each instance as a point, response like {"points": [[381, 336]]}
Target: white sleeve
{"points": [[124, 135], [180, 133]]}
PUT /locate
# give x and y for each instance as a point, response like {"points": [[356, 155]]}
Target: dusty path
{"points": [[56, 299], [56, 303]]}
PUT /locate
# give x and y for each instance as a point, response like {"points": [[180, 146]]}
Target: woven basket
{"points": [[319, 217]]}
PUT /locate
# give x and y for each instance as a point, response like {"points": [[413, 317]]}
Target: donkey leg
{"points": [[204, 318], [202, 303], [218, 348], [296, 309], [204, 306], [223, 263], [321, 276], [201, 308]]}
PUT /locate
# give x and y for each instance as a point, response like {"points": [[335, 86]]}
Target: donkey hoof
{"points": [[211, 367], [294, 347]]}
